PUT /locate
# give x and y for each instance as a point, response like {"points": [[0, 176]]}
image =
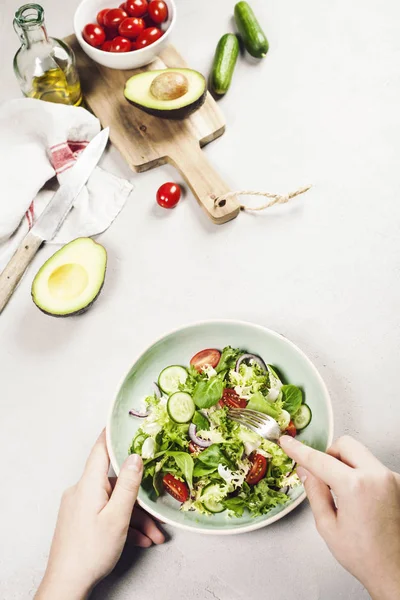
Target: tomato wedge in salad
{"points": [[176, 488], [231, 399], [258, 470], [291, 429], [206, 358]]}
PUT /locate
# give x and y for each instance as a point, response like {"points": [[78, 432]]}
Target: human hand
{"points": [[362, 529], [94, 521]]}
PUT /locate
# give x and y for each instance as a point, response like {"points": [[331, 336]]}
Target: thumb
{"points": [[126, 489]]}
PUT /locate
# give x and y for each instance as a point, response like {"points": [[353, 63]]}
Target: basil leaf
{"points": [[201, 470], [185, 463], [212, 456], [201, 422], [207, 393], [292, 398]]}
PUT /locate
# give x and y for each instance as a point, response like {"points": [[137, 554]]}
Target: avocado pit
{"points": [[169, 86]]}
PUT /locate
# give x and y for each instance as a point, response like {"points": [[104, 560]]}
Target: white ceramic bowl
{"points": [[87, 12], [177, 348]]}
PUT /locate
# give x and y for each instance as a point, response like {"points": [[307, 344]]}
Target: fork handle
{"points": [[13, 272]]}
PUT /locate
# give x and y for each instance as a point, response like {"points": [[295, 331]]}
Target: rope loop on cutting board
{"points": [[275, 198]]}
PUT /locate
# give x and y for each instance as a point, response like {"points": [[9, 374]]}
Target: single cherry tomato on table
{"points": [[258, 469], [291, 429], [131, 27], [158, 11], [93, 34], [168, 195], [136, 8], [149, 36], [178, 489], [100, 16], [120, 44], [113, 18], [231, 399], [209, 357], [106, 46]]}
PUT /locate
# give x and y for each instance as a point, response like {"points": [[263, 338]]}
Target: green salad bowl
{"points": [[177, 348]]}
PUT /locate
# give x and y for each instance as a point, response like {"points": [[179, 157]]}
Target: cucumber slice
{"points": [[171, 377], [303, 417], [181, 407], [212, 505]]}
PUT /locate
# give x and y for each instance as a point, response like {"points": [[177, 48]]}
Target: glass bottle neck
{"points": [[32, 35]]}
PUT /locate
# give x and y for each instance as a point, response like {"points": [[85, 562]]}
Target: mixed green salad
{"points": [[195, 452]]}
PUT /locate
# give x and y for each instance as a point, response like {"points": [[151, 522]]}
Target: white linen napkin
{"points": [[40, 140]]}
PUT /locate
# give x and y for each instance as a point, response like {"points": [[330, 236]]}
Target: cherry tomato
{"points": [[194, 448], [231, 399], [120, 44], [178, 489], [168, 195], [136, 8], [100, 16], [209, 357], [148, 22], [93, 34], [291, 429], [106, 46], [258, 469], [123, 7], [158, 11], [131, 27], [148, 36], [113, 18]]}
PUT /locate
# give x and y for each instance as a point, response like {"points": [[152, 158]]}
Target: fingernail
{"points": [[134, 463], [302, 474]]}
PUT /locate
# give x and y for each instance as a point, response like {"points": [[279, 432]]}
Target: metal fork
{"points": [[260, 423]]}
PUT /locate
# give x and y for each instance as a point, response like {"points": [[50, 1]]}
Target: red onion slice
{"points": [[196, 439], [156, 389], [247, 358], [137, 413]]}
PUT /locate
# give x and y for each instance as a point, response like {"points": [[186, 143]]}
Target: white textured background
{"points": [[324, 108]]}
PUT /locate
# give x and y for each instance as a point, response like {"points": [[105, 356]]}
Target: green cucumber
{"points": [[212, 505], [249, 28], [303, 417], [225, 59], [181, 407], [171, 377]]}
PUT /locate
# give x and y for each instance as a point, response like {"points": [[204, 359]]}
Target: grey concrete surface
{"points": [[322, 108]]}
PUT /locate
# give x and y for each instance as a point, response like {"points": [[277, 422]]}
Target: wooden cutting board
{"points": [[147, 142]]}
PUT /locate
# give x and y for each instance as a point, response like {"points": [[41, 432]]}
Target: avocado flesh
{"points": [[137, 91], [70, 280]]}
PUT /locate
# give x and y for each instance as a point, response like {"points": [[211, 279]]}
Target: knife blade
{"points": [[52, 217], [59, 206]]}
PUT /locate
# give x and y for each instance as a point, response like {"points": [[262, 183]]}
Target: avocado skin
{"points": [[176, 113], [77, 312]]}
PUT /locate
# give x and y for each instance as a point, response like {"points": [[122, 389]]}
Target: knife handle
{"points": [[13, 272]]}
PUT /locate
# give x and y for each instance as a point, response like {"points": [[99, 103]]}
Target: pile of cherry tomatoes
{"points": [[132, 26]]}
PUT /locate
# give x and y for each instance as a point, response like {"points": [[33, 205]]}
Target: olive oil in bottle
{"points": [[45, 67]]}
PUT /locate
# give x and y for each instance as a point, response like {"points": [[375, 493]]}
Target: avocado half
{"points": [[141, 90], [70, 281]]}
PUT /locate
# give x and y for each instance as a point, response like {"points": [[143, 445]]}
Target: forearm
{"points": [[53, 587], [387, 588]]}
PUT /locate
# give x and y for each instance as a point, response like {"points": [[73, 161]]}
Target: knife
{"points": [[52, 217]]}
